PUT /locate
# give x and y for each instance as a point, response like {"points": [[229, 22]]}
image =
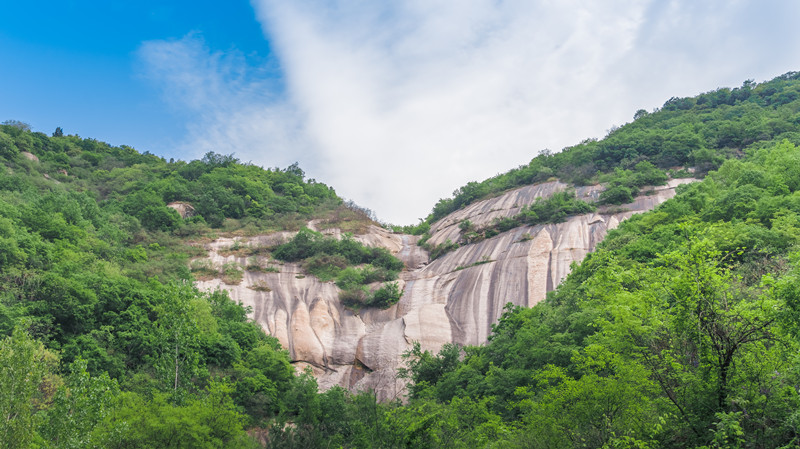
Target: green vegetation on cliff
{"points": [[104, 340], [681, 330], [350, 263], [699, 132]]}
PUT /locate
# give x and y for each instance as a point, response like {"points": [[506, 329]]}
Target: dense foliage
{"points": [[681, 330], [218, 187], [553, 209], [698, 132], [105, 342], [349, 262]]}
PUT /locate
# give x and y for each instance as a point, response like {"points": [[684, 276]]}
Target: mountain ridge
{"points": [[444, 301], [97, 295]]}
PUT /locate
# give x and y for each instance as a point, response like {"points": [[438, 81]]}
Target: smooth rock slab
{"points": [[455, 298]]}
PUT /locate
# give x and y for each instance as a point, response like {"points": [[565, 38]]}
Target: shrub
{"points": [[385, 296], [203, 269], [232, 273], [616, 195], [506, 223], [354, 297], [357, 297], [259, 286], [253, 264], [350, 277], [438, 250], [325, 266]]}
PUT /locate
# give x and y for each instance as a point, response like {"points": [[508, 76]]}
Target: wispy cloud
{"points": [[229, 104], [396, 104]]}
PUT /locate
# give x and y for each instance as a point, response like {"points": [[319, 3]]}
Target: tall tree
{"points": [[177, 332], [24, 368]]}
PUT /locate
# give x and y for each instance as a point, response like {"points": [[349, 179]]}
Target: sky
{"points": [[395, 104]]}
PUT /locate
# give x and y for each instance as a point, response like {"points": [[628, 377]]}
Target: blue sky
{"points": [[75, 64], [394, 104]]}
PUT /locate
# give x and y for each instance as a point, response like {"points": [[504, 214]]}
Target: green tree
{"points": [[177, 333], [609, 400], [7, 147], [25, 367], [78, 406], [703, 335], [208, 422], [261, 380]]}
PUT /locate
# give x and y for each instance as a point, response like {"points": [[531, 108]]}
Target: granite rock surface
{"points": [[455, 298]]}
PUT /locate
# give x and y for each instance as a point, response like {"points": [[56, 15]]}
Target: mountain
{"points": [[669, 328], [453, 299]]}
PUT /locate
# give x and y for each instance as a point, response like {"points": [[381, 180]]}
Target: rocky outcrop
{"points": [[29, 156], [184, 209], [455, 298]]}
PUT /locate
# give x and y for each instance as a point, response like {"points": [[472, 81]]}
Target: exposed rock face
{"points": [[29, 156], [455, 298], [184, 209]]}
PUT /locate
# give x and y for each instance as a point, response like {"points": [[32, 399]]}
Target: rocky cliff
{"points": [[454, 298]]}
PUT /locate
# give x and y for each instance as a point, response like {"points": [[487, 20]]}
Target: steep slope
{"points": [[453, 299], [96, 249], [679, 330]]}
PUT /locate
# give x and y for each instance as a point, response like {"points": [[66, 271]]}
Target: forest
{"points": [[680, 330]]}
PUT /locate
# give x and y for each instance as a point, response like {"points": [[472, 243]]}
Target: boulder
{"points": [[186, 210]]}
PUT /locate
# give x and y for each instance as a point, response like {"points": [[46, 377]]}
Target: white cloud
{"points": [[410, 103], [396, 104], [229, 105]]}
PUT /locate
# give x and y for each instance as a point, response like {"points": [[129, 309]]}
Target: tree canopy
{"points": [[680, 330]]}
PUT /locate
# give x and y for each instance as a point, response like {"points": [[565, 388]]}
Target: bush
{"points": [[325, 266], [441, 249], [328, 258], [616, 195], [357, 297], [203, 269], [7, 147], [159, 218], [385, 296], [349, 278], [354, 297], [232, 273]]}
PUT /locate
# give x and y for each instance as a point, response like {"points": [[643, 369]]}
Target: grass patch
{"points": [[259, 286], [203, 270], [358, 297], [349, 217], [237, 249], [253, 264], [231, 273], [484, 260]]}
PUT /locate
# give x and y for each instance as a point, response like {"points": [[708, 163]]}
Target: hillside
{"points": [[698, 132], [453, 299], [679, 330]]}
